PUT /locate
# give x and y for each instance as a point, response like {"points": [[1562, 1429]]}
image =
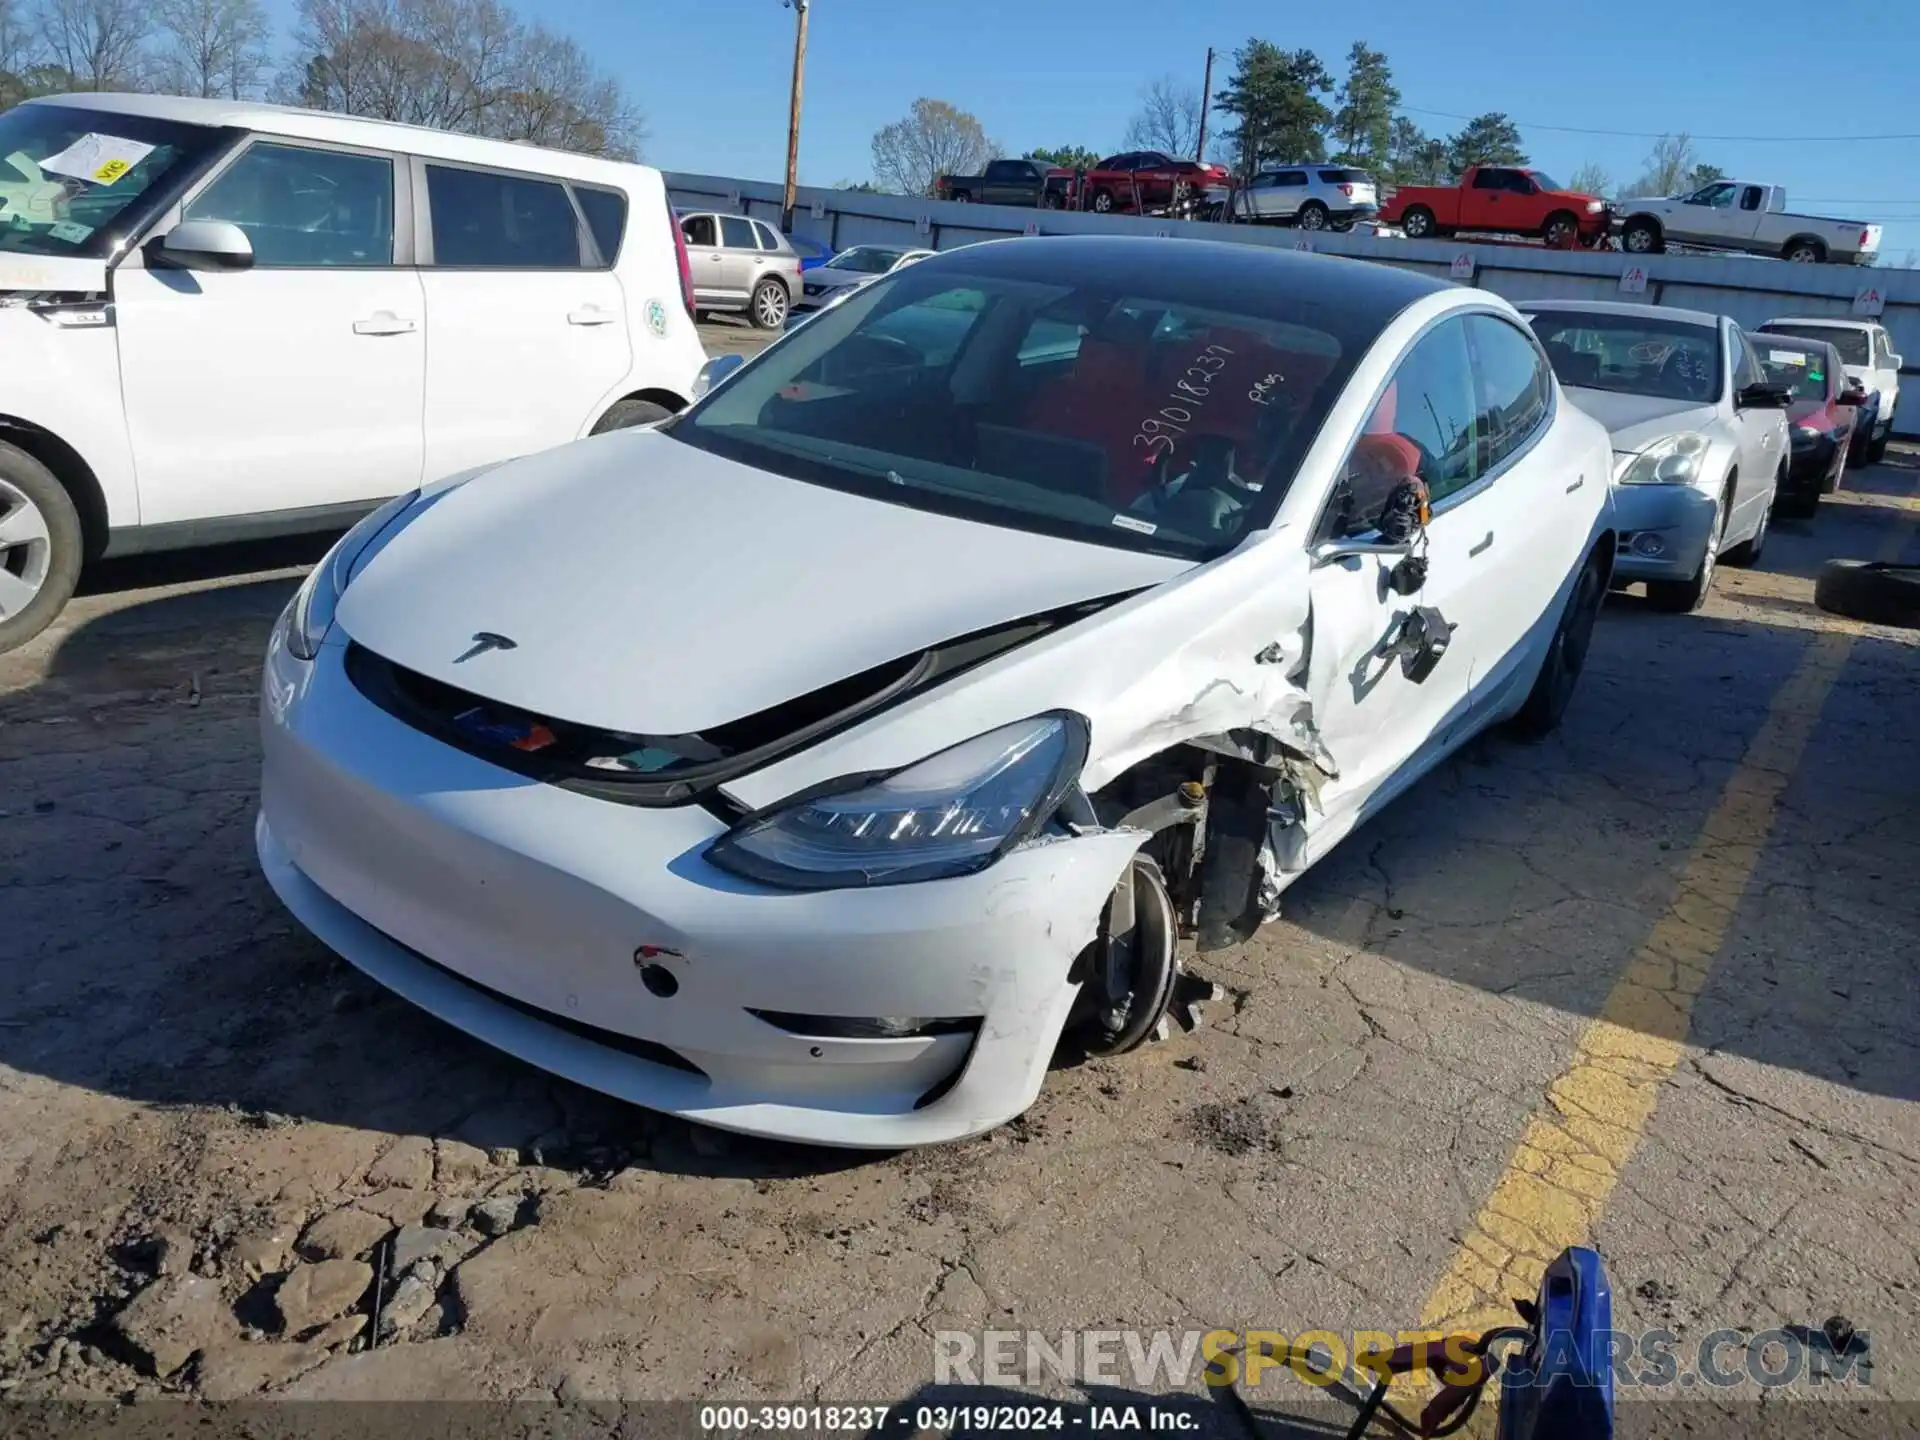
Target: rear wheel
{"points": [[1419, 224], [1877, 448], [1805, 251], [1566, 654], [768, 310], [41, 547], [1313, 216], [1102, 202]]}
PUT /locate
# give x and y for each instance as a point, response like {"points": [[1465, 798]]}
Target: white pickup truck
{"points": [[1742, 215]]}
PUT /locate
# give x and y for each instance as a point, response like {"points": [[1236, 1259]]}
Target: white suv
{"points": [[221, 320]]}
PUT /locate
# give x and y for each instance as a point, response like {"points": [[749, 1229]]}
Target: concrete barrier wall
{"points": [[1750, 290]]}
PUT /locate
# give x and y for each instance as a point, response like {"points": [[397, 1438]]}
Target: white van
{"points": [[220, 321]]}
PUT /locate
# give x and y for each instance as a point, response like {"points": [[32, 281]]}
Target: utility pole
{"points": [[793, 110], [1206, 98]]}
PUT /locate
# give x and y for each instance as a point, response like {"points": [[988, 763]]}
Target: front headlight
{"points": [[1672, 460], [310, 615], [952, 814], [1594, 207]]}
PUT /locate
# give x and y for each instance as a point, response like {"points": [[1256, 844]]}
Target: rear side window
{"points": [[606, 212], [1514, 390], [768, 240], [305, 209], [1290, 177], [736, 233], [1345, 177], [488, 220]]}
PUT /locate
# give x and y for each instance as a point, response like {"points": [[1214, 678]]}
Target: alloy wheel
{"points": [[26, 550], [770, 305]]}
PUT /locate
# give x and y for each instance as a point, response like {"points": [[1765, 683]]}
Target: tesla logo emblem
{"points": [[483, 641]]}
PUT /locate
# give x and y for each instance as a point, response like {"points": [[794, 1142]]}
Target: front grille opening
{"points": [[667, 770], [633, 1045], [866, 1027], [674, 767]]}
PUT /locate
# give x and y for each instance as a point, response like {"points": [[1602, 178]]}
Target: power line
{"points": [[1664, 134]]}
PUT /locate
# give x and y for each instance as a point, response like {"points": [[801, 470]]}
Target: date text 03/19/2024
{"points": [[940, 1418]]}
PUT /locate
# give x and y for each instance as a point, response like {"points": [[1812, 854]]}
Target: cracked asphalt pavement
{"points": [[213, 1133]]}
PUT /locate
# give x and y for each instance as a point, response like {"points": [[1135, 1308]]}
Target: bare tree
{"points": [[935, 139], [1591, 179], [1670, 162], [212, 47], [101, 44], [1168, 119], [17, 52], [468, 65]]}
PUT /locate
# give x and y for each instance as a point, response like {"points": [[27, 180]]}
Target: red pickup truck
{"points": [[1503, 199]]}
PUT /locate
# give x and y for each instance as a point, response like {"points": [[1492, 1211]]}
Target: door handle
{"points": [[590, 315], [383, 322], [1484, 545], [1576, 484]]}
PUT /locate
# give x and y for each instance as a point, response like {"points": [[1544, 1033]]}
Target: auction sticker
{"points": [[657, 318]]}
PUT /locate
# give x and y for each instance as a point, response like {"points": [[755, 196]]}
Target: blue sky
{"points": [[711, 76]]}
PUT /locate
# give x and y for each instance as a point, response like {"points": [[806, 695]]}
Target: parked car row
{"points": [[1713, 428]]}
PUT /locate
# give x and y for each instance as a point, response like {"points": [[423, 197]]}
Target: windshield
{"points": [[1852, 344], [1632, 355], [66, 175], [1801, 369], [866, 259], [1166, 423]]}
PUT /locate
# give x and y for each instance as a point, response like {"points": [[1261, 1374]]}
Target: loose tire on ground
{"points": [[41, 547], [625, 414], [1868, 590]]}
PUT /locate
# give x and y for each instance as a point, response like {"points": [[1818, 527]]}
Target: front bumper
{"points": [[1663, 531], [513, 910]]}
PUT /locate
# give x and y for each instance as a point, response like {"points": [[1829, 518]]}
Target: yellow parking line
{"points": [[1576, 1145]]}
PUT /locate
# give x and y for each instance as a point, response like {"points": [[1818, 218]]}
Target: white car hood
{"points": [[33, 273], [1635, 421], [654, 588]]}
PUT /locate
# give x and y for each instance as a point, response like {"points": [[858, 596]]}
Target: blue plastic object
{"points": [[812, 253], [1560, 1387]]}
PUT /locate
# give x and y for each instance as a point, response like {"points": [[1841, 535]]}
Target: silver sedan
{"points": [[852, 268], [1699, 435]]}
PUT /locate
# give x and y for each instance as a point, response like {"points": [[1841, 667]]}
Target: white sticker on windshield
{"points": [[102, 159], [1130, 522], [1786, 357], [71, 231]]}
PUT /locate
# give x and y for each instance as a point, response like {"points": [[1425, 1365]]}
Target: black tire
{"points": [[1641, 236], [1054, 200], [1804, 250], [1102, 202], [1546, 703], [625, 414], [1799, 505], [1562, 230], [1419, 223], [1313, 216], [961, 197], [1877, 593], [770, 306], [32, 501], [1877, 449]]}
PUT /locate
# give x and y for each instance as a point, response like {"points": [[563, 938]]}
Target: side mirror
{"points": [[1763, 395], [1329, 551], [714, 372], [1898, 362], [1852, 395], [204, 245]]}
